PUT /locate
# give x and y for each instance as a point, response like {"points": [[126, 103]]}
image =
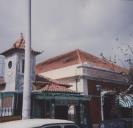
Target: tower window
{"points": [[23, 62], [10, 64]]}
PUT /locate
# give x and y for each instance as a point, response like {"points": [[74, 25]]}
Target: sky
{"points": [[59, 26]]}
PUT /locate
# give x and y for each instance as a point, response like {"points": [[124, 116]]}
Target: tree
{"points": [[124, 58]]}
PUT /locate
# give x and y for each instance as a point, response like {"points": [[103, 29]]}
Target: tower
{"points": [[14, 65]]}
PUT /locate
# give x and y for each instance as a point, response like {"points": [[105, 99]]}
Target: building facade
{"points": [[50, 98], [68, 86], [13, 78], [85, 72]]}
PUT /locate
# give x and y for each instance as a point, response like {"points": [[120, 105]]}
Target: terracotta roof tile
{"points": [[45, 84], [76, 57], [58, 62], [40, 78], [55, 88], [44, 80], [98, 62]]}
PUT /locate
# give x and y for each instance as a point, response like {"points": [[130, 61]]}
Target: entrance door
{"points": [[38, 109], [61, 112], [109, 107]]}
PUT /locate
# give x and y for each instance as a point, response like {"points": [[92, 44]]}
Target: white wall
{"points": [[68, 72], [20, 75], [10, 74], [14, 77], [83, 86], [62, 72]]}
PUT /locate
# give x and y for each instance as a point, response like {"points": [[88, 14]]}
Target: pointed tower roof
{"points": [[20, 42], [18, 46]]}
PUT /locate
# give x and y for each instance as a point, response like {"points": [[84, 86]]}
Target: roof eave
{"points": [[13, 50]]}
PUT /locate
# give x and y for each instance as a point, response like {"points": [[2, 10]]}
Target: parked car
{"points": [[39, 123], [117, 123]]}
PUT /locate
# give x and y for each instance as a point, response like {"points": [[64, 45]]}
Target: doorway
{"points": [[61, 112], [109, 107]]}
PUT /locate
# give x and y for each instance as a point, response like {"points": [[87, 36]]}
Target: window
{"points": [[10, 64], [23, 62]]}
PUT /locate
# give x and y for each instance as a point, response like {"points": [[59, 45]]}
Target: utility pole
{"points": [[102, 103], [26, 109]]}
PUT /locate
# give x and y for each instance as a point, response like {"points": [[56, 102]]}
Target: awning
{"points": [[51, 95], [61, 96], [126, 101], [6, 94]]}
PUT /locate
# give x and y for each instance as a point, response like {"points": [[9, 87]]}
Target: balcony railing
{"points": [[6, 112]]}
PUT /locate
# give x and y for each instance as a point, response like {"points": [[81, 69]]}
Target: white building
{"points": [[13, 79], [48, 97], [85, 71], [77, 67]]}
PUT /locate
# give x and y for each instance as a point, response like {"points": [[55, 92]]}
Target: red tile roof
{"points": [[53, 87], [44, 84], [76, 57], [44, 80], [18, 46]]}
